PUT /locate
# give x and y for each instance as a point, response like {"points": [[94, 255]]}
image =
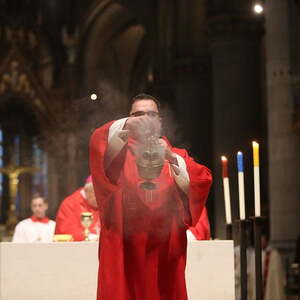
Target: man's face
{"points": [[146, 106], [146, 113], [39, 207]]}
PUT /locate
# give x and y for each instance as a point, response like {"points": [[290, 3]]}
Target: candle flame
{"points": [[254, 144], [239, 153], [224, 158]]}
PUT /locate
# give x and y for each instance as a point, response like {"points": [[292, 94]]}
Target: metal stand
{"points": [[257, 224], [228, 231], [243, 258]]}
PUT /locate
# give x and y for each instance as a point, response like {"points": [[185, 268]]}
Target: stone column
{"points": [[192, 89], [54, 197], [194, 113], [235, 41], [25, 183], [283, 142], [193, 105], [161, 80]]}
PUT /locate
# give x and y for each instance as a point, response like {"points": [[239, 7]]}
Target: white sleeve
{"points": [[190, 236], [117, 138], [18, 236], [181, 175]]}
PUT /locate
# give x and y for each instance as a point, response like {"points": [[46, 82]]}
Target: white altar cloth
{"points": [[68, 271]]}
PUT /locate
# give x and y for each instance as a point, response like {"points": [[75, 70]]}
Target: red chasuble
{"points": [[68, 220], [142, 252], [202, 229]]}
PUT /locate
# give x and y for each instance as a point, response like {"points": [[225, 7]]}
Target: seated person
{"points": [[68, 218], [37, 228], [202, 229]]}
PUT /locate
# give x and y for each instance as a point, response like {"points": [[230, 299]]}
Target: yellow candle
{"points": [[257, 207], [255, 154]]}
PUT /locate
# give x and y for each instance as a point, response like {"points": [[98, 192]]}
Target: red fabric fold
{"points": [[202, 229]]}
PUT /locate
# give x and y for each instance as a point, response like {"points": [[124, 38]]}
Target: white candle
{"points": [[227, 200]]}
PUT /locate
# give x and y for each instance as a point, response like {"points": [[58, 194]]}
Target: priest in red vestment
{"points": [[68, 218], [142, 250]]}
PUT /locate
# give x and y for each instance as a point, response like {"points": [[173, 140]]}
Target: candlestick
{"points": [[228, 231], [257, 224], [226, 189], [255, 146], [240, 165], [243, 259]]}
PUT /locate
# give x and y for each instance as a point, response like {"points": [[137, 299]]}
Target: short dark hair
{"points": [[36, 196], [144, 96]]}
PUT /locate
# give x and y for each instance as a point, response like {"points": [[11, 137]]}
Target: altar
{"points": [[68, 271]]}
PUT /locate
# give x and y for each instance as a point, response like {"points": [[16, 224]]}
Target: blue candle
{"points": [[240, 163]]}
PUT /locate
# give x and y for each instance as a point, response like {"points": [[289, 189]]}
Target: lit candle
{"points": [[240, 165], [226, 189], [255, 147]]}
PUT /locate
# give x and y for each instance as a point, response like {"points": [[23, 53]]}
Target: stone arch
{"points": [[109, 47]]}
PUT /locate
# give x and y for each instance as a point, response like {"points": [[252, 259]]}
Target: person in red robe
{"points": [[142, 249], [201, 231], [68, 218]]}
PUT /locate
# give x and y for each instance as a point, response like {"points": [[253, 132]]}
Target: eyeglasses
{"points": [[140, 113]]}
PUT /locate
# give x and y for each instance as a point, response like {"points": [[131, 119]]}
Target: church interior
{"points": [[226, 75]]}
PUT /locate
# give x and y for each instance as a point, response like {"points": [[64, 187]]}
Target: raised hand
{"points": [[143, 126], [169, 155]]}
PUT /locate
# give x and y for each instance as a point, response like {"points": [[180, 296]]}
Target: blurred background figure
{"points": [[68, 218], [293, 275], [274, 277], [273, 272], [37, 228]]}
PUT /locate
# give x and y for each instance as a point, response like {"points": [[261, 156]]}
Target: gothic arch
{"points": [[108, 49]]}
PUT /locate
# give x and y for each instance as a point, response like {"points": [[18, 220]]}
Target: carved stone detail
{"points": [[16, 80]]}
